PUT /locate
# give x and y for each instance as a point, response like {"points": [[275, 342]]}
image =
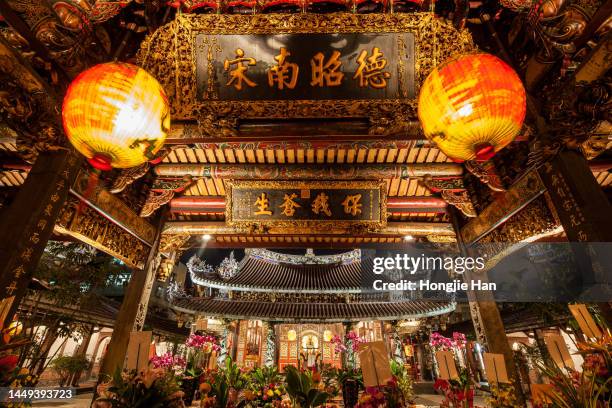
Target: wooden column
{"points": [[586, 216], [25, 227], [132, 312], [487, 320], [580, 203]]}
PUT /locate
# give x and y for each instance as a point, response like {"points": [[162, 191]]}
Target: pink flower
{"points": [[459, 339], [167, 360], [437, 340], [207, 343]]}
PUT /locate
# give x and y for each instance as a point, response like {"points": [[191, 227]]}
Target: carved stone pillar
{"points": [[348, 357], [270, 356], [397, 353], [477, 322], [223, 343]]}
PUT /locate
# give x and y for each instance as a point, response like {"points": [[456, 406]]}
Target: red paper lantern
{"points": [[472, 106], [116, 115]]}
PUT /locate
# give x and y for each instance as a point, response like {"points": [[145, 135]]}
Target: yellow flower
{"points": [[277, 392], [270, 393]]}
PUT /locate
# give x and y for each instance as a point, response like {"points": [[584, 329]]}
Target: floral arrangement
{"points": [[592, 387], [403, 379], [350, 342], [457, 393], [269, 395], [206, 343], [152, 388], [440, 342], [199, 348], [349, 345], [503, 396], [388, 395], [169, 361], [459, 339]]}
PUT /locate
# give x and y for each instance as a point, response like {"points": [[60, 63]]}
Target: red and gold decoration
{"points": [[117, 115], [472, 106]]}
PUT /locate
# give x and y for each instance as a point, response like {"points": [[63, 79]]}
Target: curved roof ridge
{"points": [[300, 260], [305, 311], [258, 275]]}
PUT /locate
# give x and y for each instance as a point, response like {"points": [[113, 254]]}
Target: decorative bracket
{"points": [[128, 176], [453, 192], [461, 200], [162, 192], [486, 173]]}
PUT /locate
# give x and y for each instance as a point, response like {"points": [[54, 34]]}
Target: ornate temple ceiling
{"points": [[59, 39]]}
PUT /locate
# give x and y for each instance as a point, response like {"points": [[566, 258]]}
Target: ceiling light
{"points": [[206, 237], [408, 238]]}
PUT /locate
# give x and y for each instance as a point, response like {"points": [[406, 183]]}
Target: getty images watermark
{"points": [[405, 265]]}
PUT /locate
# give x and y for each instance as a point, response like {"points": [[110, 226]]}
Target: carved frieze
{"points": [[169, 54], [91, 227]]}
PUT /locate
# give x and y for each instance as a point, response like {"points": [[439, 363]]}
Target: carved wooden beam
{"points": [[113, 208], [397, 229], [525, 190], [90, 226], [28, 104], [22, 28], [128, 176], [296, 135], [200, 204], [304, 172]]}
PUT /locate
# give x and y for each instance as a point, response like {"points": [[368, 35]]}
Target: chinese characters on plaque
{"points": [[305, 66], [315, 202]]}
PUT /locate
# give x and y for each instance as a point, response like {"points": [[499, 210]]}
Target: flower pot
{"points": [[188, 386], [350, 392]]}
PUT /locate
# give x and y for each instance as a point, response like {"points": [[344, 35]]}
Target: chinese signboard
{"points": [[307, 204], [305, 66]]}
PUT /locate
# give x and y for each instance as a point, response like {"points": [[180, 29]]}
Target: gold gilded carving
{"points": [[486, 173], [173, 242], [461, 200], [326, 73], [114, 208], [169, 55], [595, 145], [536, 220], [128, 176], [238, 75], [526, 189], [352, 206], [91, 227], [155, 200]]}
